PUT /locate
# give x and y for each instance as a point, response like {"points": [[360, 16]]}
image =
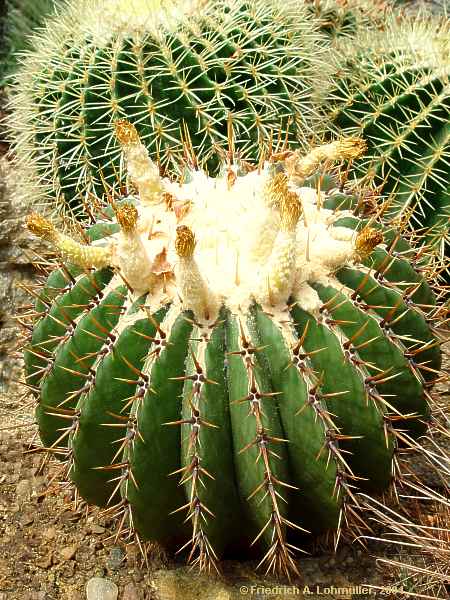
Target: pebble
{"points": [[49, 533], [130, 592], [182, 584], [40, 596], [97, 529], [116, 555], [26, 519], [68, 552], [23, 491], [98, 588], [39, 483], [46, 561]]}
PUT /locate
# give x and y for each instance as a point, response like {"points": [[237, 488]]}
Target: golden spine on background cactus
{"points": [[194, 291], [81, 255], [141, 169], [299, 167]]}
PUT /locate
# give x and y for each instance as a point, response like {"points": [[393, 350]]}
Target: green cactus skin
{"points": [[20, 18], [207, 431], [70, 377], [393, 90], [250, 62]]}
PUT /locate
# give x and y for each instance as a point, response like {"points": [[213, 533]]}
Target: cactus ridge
{"points": [[210, 399], [395, 93], [180, 81]]}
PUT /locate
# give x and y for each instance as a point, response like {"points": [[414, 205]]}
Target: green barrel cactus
{"points": [[227, 361], [393, 89], [182, 74]]}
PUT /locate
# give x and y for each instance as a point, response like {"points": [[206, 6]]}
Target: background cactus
{"points": [[265, 355], [393, 90], [179, 74], [19, 19]]}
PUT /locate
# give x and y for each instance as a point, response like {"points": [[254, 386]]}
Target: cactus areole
{"points": [[229, 361]]}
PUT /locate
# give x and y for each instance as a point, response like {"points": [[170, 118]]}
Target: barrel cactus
{"points": [[393, 89], [229, 360], [179, 72]]}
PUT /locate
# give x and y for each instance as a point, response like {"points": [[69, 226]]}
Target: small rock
{"points": [[39, 483], [97, 529], [39, 596], [23, 491], [49, 533], [98, 588], [71, 593], [115, 559], [34, 540], [68, 552], [46, 561], [182, 584], [26, 520], [130, 592]]}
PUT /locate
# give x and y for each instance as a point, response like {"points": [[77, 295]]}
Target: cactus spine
{"points": [[180, 74], [394, 91], [257, 354]]}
